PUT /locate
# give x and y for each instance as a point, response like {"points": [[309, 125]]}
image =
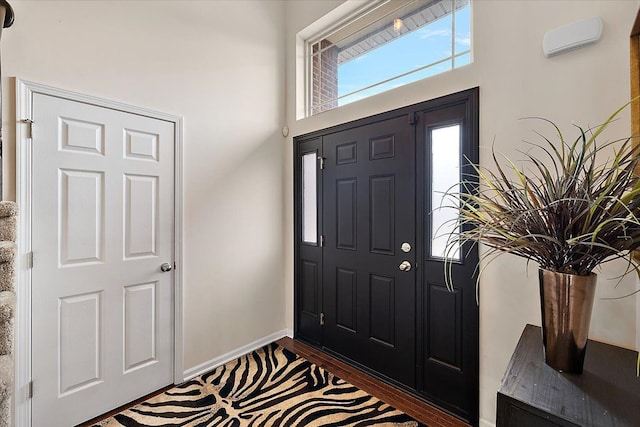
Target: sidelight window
{"points": [[387, 45], [445, 178], [309, 198]]}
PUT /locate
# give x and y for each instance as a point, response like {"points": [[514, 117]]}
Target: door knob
{"points": [[166, 267], [405, 266]]}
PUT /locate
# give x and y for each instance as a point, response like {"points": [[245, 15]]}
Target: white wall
{"points": [[515, 81], [220, 65]]}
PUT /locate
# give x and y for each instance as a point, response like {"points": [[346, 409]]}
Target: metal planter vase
{"points": [[566, 301]]}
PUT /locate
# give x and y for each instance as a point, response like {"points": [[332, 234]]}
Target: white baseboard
{"points": [[485, 423], [234, 354]]}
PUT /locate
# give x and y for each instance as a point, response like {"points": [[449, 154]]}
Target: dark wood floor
{"points": [[123, 407], [404, 402]]}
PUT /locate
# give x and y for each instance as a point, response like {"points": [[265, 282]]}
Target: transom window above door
{"points": [[388, 44]]}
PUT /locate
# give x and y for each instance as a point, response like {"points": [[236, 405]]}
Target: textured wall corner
{"points": [[7, 312], [7, 276], [8, 216], [6, 390]]}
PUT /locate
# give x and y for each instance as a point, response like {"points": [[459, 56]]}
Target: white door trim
{"points": [[24, 96]]}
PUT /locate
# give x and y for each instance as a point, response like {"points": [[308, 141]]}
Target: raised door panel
{"points": [[80, 342], [81, 221], [140, 216], [140, 325], [307, 299], [309, 288], [382, 147], [347, 153], [443, 324], [383, 309], [346, 299], [346, 213], [382, 210], [141, 145], [81, 136]]}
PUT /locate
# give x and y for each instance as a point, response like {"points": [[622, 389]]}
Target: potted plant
{"points": [[571, 206]]}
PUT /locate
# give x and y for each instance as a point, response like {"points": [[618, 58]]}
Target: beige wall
{"points": [[515, 81], [220, 65]]}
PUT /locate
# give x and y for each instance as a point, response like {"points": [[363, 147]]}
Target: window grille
{"points": [[387, 45]]}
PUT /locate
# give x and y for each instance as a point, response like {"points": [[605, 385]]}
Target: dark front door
{"points": [[371, 242], [368, 214]]}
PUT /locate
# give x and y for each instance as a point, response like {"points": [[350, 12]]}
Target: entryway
{"points": [[370, 248], [99, 195]]}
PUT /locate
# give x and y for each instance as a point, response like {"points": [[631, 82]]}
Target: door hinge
{"points": [[322, 241], [321, 319], [413, 118], [30, 390], [29, 124], [321, 160], [29, 260]]}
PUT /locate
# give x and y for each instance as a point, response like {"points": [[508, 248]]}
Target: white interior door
{"points": [[102, 226]]}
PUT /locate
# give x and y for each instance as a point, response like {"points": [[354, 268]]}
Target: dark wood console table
{"points": [[607, 393]]}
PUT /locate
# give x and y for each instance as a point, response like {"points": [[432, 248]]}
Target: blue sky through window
{"points": [[424, 46]]}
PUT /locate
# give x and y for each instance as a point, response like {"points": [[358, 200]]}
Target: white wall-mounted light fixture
{"points": [[572, 36]]}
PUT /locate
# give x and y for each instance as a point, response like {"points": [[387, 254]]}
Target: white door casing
{"points": [[99, 187]]}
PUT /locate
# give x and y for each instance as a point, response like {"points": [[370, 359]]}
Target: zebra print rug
{"points": [[268, 387]]}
